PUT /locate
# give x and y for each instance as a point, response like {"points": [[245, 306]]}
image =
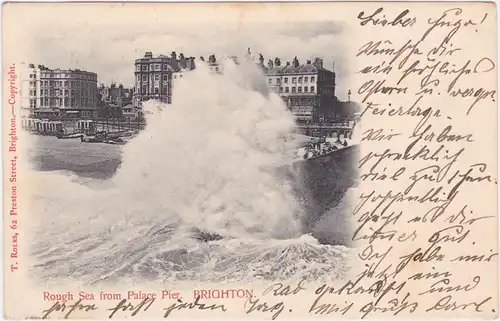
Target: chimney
{"points": [[318, 63], [174, 55], [277, 62], [190, 63], [295, 62], [288, 63], [333, 66], [148, 55], [309, 62], [248, 51], [261, 59], [270, 64], [202, 59], [182, 60]]}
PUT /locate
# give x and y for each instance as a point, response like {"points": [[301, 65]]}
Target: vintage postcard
{"points": [[250, 160]]}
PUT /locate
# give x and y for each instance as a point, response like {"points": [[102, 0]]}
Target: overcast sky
{"points": [[110, 48]]}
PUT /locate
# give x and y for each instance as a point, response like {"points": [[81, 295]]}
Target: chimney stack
{"points": [[174, 55], [261, 59], [318, 63], [148, 55], [295, 62], [309, 62], [270, 64]]}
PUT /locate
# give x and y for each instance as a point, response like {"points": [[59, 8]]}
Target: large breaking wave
{"points": [[197, 196]]}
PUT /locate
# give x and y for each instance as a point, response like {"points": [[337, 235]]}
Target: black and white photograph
{"points": [[204, 150]]}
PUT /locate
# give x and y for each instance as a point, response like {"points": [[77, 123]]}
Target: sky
{"points": [[110, 46]]}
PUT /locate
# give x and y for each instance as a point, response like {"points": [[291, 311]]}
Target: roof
{"points": [[301, 69]]}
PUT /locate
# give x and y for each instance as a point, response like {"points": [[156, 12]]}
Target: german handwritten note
{"points": [[260, 161]]}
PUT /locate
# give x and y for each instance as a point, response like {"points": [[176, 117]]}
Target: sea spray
{"points": [[211, 156]]}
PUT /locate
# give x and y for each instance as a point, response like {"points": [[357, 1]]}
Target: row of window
{"points": [[295, 80], [63, 102], [294, 90], [156, 90], [66, 84], [70, 75], [151, 67], [57, 92], [155, 77]]}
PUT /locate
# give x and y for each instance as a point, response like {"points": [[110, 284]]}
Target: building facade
{"points": [[67, 93], [30, 78], [48, 93], [153, 77], [113, 100], [307, 89]]}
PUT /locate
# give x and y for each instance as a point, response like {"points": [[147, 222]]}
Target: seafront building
{"points": [[114, 101], [48, 93], [154, 76], [308, 89]]}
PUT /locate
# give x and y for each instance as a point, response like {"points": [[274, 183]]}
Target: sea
{"points": [[195, 196]]}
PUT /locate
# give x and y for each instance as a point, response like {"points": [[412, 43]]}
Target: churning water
{"points": [[196, 197]]}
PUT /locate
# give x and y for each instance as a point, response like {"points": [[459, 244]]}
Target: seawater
{"points": [[196, 197]]}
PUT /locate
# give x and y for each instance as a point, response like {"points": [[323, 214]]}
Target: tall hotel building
{"points": [[153, 77], [58, 93]]}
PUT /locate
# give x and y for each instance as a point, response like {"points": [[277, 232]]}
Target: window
{"points": [[144, 67], [312, 89], [306, 79], [157, 67], [300, 80], [278, 80], [165, 67], [180, 76], [157, 90], [137, 67], [313, 79], [216, 69], [281, 89], [65, 84], [300, 89], [138, 77], [293, 89], [287, 89], [270, 81], [165, 77], [294, 80], [305, 89], [157, 77], [144, 78], [285, 80], [144, 89]]}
